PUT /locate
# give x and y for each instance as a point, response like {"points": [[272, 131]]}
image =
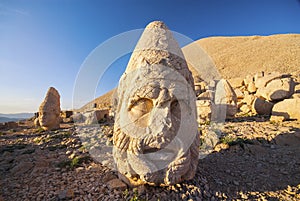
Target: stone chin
{"points": [[50, 126], [155, 165]]}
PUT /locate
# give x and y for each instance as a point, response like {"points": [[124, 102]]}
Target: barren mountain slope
{"points": [[103, 101], [244, 55]]}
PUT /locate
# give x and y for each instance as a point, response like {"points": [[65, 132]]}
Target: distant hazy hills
{"points": [[237, 57], [15, 117]]}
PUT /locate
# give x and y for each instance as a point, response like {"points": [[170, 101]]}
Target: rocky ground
{"points": [[255, 160]]}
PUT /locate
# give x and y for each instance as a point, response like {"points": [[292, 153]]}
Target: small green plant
{"points": [[231, 141], [83, 148], [275, 123], [227, 140], [75, 162], [19, 141], [134, 197], [125, 193], [39, 130]]}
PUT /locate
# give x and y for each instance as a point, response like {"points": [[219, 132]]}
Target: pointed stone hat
{"points": [[158, 46], [52, 100]]}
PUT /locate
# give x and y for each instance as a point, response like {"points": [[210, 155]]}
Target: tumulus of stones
{"points": [[49, 110], [155, 133]]}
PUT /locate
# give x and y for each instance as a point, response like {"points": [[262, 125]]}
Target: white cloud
{"points": [[6, 11]]}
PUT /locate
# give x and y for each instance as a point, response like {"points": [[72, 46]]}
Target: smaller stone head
{"points": [[49, 111]]}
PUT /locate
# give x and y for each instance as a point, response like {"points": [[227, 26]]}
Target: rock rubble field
{"points": [[255, 159]]}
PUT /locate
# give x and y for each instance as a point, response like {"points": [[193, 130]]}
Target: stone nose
{"points": [[163, 98], [160, 118]]}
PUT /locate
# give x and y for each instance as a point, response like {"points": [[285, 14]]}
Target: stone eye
{"points": [[175, 106], [142, 106], [139, 111]]}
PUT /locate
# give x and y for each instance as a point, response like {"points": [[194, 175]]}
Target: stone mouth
{"points": [[160, 154]]}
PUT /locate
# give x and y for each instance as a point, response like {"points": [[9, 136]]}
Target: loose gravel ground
{"points": [[254, 160]]}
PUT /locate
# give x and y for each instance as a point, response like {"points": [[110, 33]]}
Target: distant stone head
{"points": [[49, 110]]}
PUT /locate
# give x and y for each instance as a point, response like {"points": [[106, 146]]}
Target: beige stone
{"points": [[296, 95], [251, 87], [248, 99], [95, 116], [258, 75], [36, 122], [205, 105], [277, 118], [236, 82], [245, 108], [261, 106], [261, 82], [297, 88], [239, 93], [225, 100], [248, 80], [155, 136], [49, 110], [277, 89], [200, 87], [288, 109]]}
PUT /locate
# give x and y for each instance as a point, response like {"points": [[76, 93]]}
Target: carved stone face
{"points": [[155, 127], [48, 118], [155, 132]]}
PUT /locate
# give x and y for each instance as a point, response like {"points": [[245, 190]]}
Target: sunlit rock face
{"points": [[155, 133], [49, 110]]}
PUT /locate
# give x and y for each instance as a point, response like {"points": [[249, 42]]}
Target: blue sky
{"points": [[44, 43]]}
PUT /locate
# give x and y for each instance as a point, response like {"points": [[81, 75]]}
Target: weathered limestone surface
{"points": [[155, 133], [277, 89], [286, 109], [225, 99], [262, 81], [205, 106], [49, 110]]}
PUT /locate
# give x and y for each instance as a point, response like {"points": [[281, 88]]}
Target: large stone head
{"points": [[155, 133], [49, 111]]}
